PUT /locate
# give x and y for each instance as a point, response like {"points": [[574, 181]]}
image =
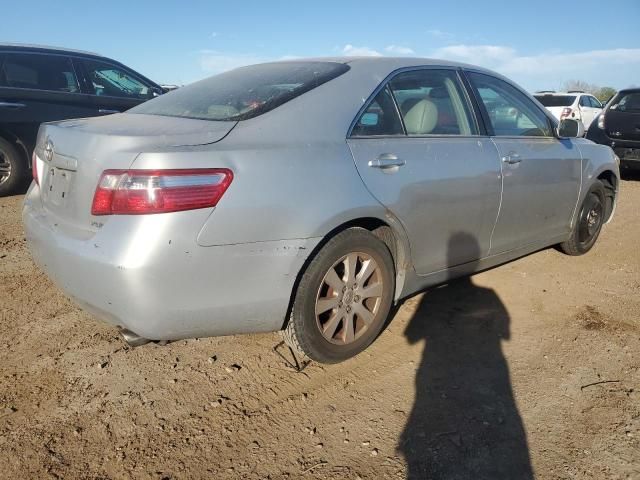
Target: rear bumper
{"points": [[175, 289]]}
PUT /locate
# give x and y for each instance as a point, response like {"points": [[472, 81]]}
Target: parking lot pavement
{"points": [[531, 368]]}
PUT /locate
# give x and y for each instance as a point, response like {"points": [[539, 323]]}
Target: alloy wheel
{"points": [[349, 298], [5, 167]]}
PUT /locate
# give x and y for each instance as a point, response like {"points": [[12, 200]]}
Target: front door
{"points": [[113, 89], [541, 173], [417, 148]]}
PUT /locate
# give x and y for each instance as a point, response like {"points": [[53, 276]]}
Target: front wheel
{"points": [[343, 298], [589, 223]]}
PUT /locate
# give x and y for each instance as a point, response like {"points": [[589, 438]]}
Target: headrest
{"points": [[421, 118]]}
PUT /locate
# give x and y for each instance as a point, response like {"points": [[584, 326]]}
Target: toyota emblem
{"points": [[48, 151]]}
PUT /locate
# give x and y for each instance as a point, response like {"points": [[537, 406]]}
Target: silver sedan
{"points": [[307, 196]]}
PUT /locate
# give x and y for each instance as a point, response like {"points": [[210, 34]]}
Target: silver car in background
{"points": [[307, 196]]}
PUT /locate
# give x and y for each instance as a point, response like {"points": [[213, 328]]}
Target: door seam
{"points": [[575, 208], [495, 223]]}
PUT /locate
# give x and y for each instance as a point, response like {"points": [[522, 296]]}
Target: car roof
{"points": [[386, 65], [544, 92], [44, 49], [629, 90], [381, 61]]}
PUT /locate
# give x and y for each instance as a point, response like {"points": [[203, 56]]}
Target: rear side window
{"points": [[556, 100], [629, 102], [39, 72], [431, 102], [511, 112], [243, 93], [584, 101], [113, 81]]}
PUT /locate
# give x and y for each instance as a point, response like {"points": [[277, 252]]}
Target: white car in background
{"points": [[573, 104]]}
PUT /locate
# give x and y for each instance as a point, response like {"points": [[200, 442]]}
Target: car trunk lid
{"points": [[73, 154]]}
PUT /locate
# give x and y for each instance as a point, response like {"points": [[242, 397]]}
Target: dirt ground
{"points": [[489, 378]]}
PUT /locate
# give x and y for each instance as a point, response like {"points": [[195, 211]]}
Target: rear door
{"points": [[623, 117], [418, 149], [36, 88], [112, 87], [541, 174]]}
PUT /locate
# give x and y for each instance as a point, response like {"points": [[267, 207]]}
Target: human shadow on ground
{"points": [[464, 423]]}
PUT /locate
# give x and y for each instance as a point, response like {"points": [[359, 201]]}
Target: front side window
{"points": [[245, 92], [511, 113], [595, 103], [39, 72], [431, 102], [380, 117], [109, 80]]}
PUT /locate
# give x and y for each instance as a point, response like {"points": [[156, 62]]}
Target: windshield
{"points": [[243, 93], [556, 100]]}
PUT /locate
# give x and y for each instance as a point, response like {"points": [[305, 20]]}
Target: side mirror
{"points": [[570, 128]]}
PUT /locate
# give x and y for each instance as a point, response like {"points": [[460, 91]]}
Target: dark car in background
{"points": [[618, 126], [42, 84]]}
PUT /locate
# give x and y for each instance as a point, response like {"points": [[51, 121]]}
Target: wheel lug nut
{"points": [[356, 298], [348, 309], [344, 289]]}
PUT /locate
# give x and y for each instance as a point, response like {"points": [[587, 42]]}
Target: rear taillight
{"points": [[139, 192], [565, 113], [34, 168]]}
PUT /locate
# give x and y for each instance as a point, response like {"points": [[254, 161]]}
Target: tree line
{"points": [[601, 93]]}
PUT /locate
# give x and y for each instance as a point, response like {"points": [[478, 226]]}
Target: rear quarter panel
{"points": [[279, 191], [294, 176]]}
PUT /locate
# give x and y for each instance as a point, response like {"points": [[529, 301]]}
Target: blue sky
{"points": [[538, 44]]}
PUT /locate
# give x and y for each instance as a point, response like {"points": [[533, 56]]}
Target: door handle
{"points": [[107, 110], [11, 105], [512, 158], [386, 160]]}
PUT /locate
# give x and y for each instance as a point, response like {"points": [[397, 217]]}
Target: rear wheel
{"points": [[12, 168], [589, 223], [343, 298]]}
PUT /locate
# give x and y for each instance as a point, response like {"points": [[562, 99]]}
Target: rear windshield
{"points": [[243, 93], [556, 100], [629, 102]]}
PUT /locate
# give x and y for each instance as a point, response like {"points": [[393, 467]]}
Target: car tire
{"points": [[12, 168], [343, 298], [591, 217]]}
